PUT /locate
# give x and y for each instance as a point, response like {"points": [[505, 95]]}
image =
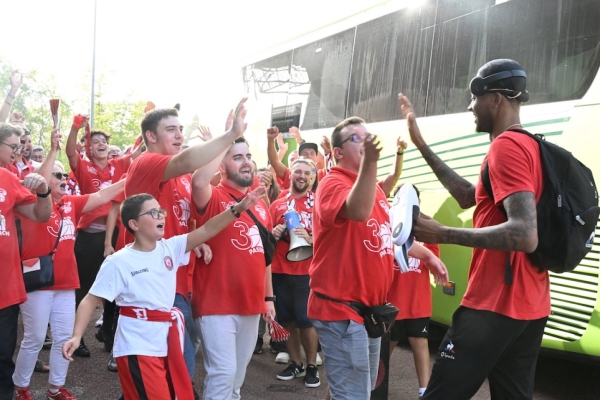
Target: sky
{"points": [[178, 51]]}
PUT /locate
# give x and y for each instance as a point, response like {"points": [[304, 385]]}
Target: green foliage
{"points": [[121, 120]]}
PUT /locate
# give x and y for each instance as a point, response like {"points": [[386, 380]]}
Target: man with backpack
{"points": [[497, 331]]}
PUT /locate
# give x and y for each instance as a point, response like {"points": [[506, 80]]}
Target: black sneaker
{"points": [[292, 371], [108, 340], [311, 379], [258, 349], [82, 350]]}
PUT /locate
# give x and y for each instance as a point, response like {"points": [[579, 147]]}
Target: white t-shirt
{"points": [[144, 280]]}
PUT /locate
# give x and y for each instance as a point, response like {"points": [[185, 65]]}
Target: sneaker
{"points": [[111, 364], [277, 347], [82, 350], [62, 394], [258, 348], [47, 342], [23, 394], [282, 358], [319, 360], [292, 371], [311, 379], [98, 323], [108, 340]]}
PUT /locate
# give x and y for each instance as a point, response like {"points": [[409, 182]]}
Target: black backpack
{"points": [[567, 212]]}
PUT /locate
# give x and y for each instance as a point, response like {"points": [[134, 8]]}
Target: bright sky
{"points": [[183, 51]]}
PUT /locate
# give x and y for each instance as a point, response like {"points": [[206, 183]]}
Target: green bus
{"points": [[429, 52]]}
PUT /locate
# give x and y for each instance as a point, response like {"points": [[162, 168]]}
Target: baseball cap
{"points": [[307, 145]]}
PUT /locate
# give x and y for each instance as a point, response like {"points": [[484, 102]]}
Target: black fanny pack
{"points": [[378, 320]]}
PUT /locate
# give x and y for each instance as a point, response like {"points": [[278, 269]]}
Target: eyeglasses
{"points": [[154, 213], [15, 148], [354, 137], [60, 175]]}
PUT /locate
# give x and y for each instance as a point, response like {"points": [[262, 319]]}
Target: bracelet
{"points": [[44, 195], [235, 213], [399, 154], [270, 298], [10, 95], [302, 141]]}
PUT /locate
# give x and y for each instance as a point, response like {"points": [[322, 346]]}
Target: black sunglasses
{"points": [[60, 175]]}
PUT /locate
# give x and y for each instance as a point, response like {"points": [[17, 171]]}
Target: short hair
{"points": [[98, 132], [241, 139], [152, 118], [56, 164], [37, 148], [132, 207], [336, 138], [8, 129]]}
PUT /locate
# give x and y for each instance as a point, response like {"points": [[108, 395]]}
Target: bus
{"points": [[429, 51]]}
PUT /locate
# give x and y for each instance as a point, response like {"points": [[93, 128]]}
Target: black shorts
{"points": [[417, 327], [292, 299]]}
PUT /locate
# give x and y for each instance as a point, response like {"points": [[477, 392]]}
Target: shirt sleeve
{"points": [[109, 282], [330, 199], [23, 196], [178, 244]]}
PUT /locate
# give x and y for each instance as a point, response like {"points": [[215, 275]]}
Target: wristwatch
{"points": [[270, 298], [44, 195], [235, 213]]}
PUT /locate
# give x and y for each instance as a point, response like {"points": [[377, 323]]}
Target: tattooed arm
{"points": [[461, 189], [519, 233]]}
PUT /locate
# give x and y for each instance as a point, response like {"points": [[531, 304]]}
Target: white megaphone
{"points": [[300, 250]]}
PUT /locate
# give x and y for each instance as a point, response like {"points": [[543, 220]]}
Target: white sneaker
{"points": [[99, 322], [319, 360], [282, 358]]}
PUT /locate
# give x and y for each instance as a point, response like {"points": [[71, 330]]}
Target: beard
{"points": [[300, 188], [484, 123], [239, 179]]}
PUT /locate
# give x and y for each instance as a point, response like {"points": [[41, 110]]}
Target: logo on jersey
{"points": [[98, 184], [249, 238], [186, 183], [261, 211], [381, 238], [66, 207], [68, 228], [3, 231], [181, 208], [2, 195], [169, 263], [385, 206], [92, 170]]}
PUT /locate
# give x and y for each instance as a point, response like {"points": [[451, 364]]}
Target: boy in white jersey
{"points": [[141, 279]]}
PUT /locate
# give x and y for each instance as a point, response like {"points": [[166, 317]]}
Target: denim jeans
{"points": [[189, 354]]}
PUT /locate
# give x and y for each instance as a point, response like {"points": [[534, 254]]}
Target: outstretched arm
{"points": [[519, 233], [390, 181], [217, 223], [279, 167], [16, 80], [103, 196], [435, 266], [198, 156], [79, 121], [461, 189]]}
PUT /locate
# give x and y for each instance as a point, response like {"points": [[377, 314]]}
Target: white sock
{"points": [[422, 391], [53, 391]]}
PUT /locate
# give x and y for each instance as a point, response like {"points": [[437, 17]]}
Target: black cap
{"points": [[307, 145], [504, 76]]}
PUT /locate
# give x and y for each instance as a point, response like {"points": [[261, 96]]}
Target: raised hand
{"points": [[326, 144], [371, 148], [205, 133], [229, 121], [283, 146], [273, 132], [295, 132], [149, 106], [80, 121], [401, 144], [251, 199], [16, 80], [55, 140], [17, 116], [265, 178], [408, 112], [238, 127]]}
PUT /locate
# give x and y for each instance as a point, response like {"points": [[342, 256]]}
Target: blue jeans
{"points": [[351, 358], [189, 354]]}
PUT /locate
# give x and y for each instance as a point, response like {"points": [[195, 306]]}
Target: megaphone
{"points": [[300, 250]]}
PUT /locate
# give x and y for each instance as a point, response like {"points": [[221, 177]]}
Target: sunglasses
{"points": [[155, 213], [60, 175]]}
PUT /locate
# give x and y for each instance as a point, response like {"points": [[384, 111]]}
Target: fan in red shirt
{"points": [[163, 171], [92, 175], [290, 279], [15, 195], [56, 303], [497, 331], [231, 293]]}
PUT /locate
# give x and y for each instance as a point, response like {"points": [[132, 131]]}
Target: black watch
{"points": [[235, 213], [270, 298], [44, 195]]}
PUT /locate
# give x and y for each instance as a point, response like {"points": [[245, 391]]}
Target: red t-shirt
{"points": [[39, 240], [12, 168], [234, 281], [411, 291], [27, 167], [304, 206], [174, 195], [12, 194], [514, 166], [352, 260], [92, 179]]}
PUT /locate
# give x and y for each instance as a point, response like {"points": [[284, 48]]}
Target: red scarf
{"points": [[175, 362]]}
